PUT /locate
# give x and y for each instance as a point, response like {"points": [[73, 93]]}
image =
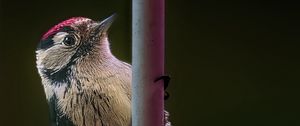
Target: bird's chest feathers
{"points": [[101, 101], [91, 98]]}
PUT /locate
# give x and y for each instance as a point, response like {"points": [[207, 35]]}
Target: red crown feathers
{"points": [[62, 24]]}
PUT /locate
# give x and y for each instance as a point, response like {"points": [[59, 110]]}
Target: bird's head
{"points": [[73, 40]]}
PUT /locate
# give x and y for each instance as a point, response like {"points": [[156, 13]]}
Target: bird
{"points": [[84, 83]]}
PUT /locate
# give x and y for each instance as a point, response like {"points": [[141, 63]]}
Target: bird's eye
{"points": [[69, 40]]}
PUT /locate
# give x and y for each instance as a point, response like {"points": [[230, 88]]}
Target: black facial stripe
{"points": [[47, 43], [64, 75], [58, 77]]}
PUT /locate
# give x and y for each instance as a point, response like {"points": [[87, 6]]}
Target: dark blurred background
{"points": [[232, 63]]}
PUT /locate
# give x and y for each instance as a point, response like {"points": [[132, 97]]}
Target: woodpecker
{"points": [[84, 83]]}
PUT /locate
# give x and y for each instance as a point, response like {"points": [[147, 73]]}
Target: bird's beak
{"points": [[104, 25]]}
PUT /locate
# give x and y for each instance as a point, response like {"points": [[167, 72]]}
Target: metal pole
{"points": [[148, 62]]}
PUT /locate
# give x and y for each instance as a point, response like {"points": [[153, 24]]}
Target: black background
{"points": [[232, 63]]}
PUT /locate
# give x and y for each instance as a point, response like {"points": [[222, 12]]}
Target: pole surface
{"points": [[147, 62]]}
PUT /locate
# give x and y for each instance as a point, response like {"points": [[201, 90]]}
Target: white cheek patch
{"points": [[59, 37]]}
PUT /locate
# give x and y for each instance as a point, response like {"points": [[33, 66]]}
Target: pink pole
{"points": [[147, 62]]}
